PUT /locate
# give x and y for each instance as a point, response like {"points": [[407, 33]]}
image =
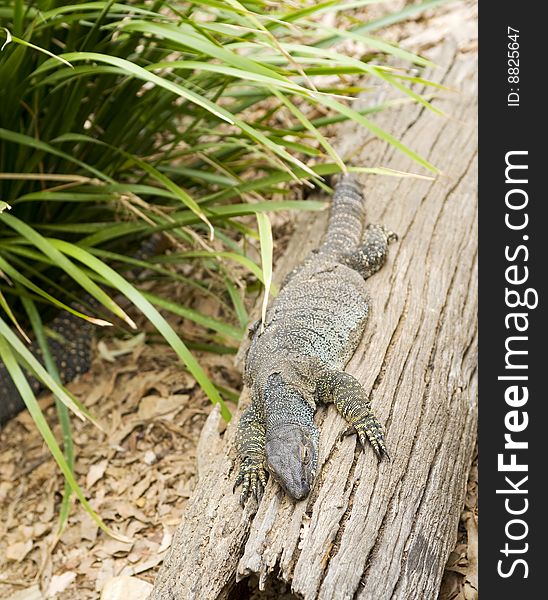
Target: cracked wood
{"points": [[375, 531]]}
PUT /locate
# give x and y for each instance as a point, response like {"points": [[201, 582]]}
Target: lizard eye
{"points": [[305, 455]]}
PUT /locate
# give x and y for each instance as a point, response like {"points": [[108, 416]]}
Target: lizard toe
{"points": [[370, 430], [252, 478]]}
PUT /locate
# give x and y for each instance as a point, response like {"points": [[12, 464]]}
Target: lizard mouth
{"points": [[296, 490]]}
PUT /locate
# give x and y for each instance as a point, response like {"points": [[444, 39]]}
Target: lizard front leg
{"points": [[354, 406], [250, 443]]}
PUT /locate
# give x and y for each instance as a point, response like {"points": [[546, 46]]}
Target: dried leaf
{"points": [[95, 473], [88, 528], [31, 593], [59, 583], [113, 547], [18, 550], [119, 347], [166, 541], [155, 406], [124, 587]]}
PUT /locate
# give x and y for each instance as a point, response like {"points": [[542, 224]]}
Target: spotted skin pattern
{"points": [[70, 341], [251, 445], [297, 361]]}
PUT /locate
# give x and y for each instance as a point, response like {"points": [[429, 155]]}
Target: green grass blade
{"points": [[46, 246], [310, 127], [239, 258], [137, 298], [376, 43], [217, 213], [25, 140], [62, 410], [237, 302], [17, 276], [21, 42], [379, 132], [220, 112], [4, 304], [28, 397], [178, 191], [265, 237], [192, 315], [390, 18]]}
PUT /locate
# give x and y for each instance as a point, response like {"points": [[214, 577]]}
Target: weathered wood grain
{"points": [[368, 530]]}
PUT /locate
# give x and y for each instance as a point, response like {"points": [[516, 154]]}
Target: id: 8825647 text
{"points": [[513, 66]]}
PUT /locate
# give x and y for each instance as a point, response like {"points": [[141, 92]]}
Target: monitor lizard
{"points": [[295, 361]]}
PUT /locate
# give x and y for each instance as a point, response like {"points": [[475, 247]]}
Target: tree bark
{"points": [[376, 531]]}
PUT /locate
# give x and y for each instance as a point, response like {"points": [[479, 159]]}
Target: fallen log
{"points": [[370, 530]]}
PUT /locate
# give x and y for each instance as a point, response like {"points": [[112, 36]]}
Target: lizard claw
{"points": [[368, 430], [391, 236], [252, 476]]}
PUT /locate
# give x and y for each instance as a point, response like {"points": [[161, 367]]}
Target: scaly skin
{"points": [[297, 362], [70, 342], [70, 346]]}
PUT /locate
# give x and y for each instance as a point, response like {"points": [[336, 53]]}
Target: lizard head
{"points": [[291, 438], [291, 457]]}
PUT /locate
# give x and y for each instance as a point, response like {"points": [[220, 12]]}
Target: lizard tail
{"points": [[346, 219]]}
